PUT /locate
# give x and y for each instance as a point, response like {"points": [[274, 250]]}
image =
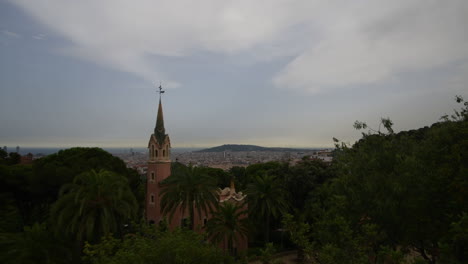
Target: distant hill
{"points": [[235, 148]]}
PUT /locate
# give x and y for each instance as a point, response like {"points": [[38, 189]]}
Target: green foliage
{"points": [[18, 186], [303, 178], [32, 189], [266, 254], [228, 223], [13, 158], [10, 218], [454, 246], [102, 251], [60, 168], [221, 177], [3, 156], [188, 188], [266, 198], [240, 177], [394, 194], [300, 235], [458, 115], [273, 168], [385, 122], [155, 247], [35, 245], [292, 188], [95, 204], [27, 193]]}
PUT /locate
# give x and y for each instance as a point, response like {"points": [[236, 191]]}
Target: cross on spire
{"points": [[161, 91], [159, 131]]}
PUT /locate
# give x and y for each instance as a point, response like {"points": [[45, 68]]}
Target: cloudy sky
{"points": [[271, 73]]}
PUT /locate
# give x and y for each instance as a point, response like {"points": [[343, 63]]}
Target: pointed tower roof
{"points": [[159, 130]]}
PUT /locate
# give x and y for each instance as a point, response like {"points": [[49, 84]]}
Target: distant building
{"points": [[27, 159]]}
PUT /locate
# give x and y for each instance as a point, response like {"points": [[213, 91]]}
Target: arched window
{"points": [[152, 176], [156, 153], [152, 198], [164, 153]]}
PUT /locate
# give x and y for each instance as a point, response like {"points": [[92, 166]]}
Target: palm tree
{"points": [[94, 204], [266, 197], [188, 188], [227, 224]]}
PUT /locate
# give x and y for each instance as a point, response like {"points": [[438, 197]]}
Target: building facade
{"points": [[159, 167]]}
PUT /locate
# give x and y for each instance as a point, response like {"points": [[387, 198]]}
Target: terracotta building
{"points": [[159, 168], [27, 159]]}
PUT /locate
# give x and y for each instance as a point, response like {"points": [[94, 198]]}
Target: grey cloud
{"points": [[11, 34], [121, 34], [335, 44], [377, 41], [39, 36]]}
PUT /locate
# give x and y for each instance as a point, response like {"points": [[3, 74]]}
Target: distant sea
{"points": [[48, 151]]}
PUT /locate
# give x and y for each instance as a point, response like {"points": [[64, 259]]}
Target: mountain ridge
{"points": [[242, 147]]}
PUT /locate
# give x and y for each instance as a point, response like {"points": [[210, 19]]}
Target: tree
{"points": [[299, 234], [239, 176], [266, 198], [228, 224], [188, 188], [304, 178], [10, 218], [95, 204], [53, 171], [34, 188], [3, 156], [402, 190], [177, 247], [221, 177], [35, 244], [13, 158], [19, 183]]}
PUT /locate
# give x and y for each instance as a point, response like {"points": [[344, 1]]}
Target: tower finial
{"points": [[159, 131], [161, 91]]}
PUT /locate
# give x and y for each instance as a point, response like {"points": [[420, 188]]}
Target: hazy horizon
{"points": [[13, 148], [113, 150]]}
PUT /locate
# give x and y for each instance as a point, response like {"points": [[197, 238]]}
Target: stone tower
{"points": [[159, 166]]}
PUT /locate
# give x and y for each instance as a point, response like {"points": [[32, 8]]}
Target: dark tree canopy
{"points": [[405, 190], [178, 247]]}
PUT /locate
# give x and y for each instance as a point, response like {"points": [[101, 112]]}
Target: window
{"points": [[205, 221], [164, 153], [156, 151], [184, 222], [152, 176], [152, 198]]}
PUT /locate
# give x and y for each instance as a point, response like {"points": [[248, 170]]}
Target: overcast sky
{"points": [[272, 73]]}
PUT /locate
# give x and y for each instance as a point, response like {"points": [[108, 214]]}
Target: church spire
{"points": [[159, 131]]}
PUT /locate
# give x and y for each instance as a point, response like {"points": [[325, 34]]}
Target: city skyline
{"points": [[280, 74]]}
